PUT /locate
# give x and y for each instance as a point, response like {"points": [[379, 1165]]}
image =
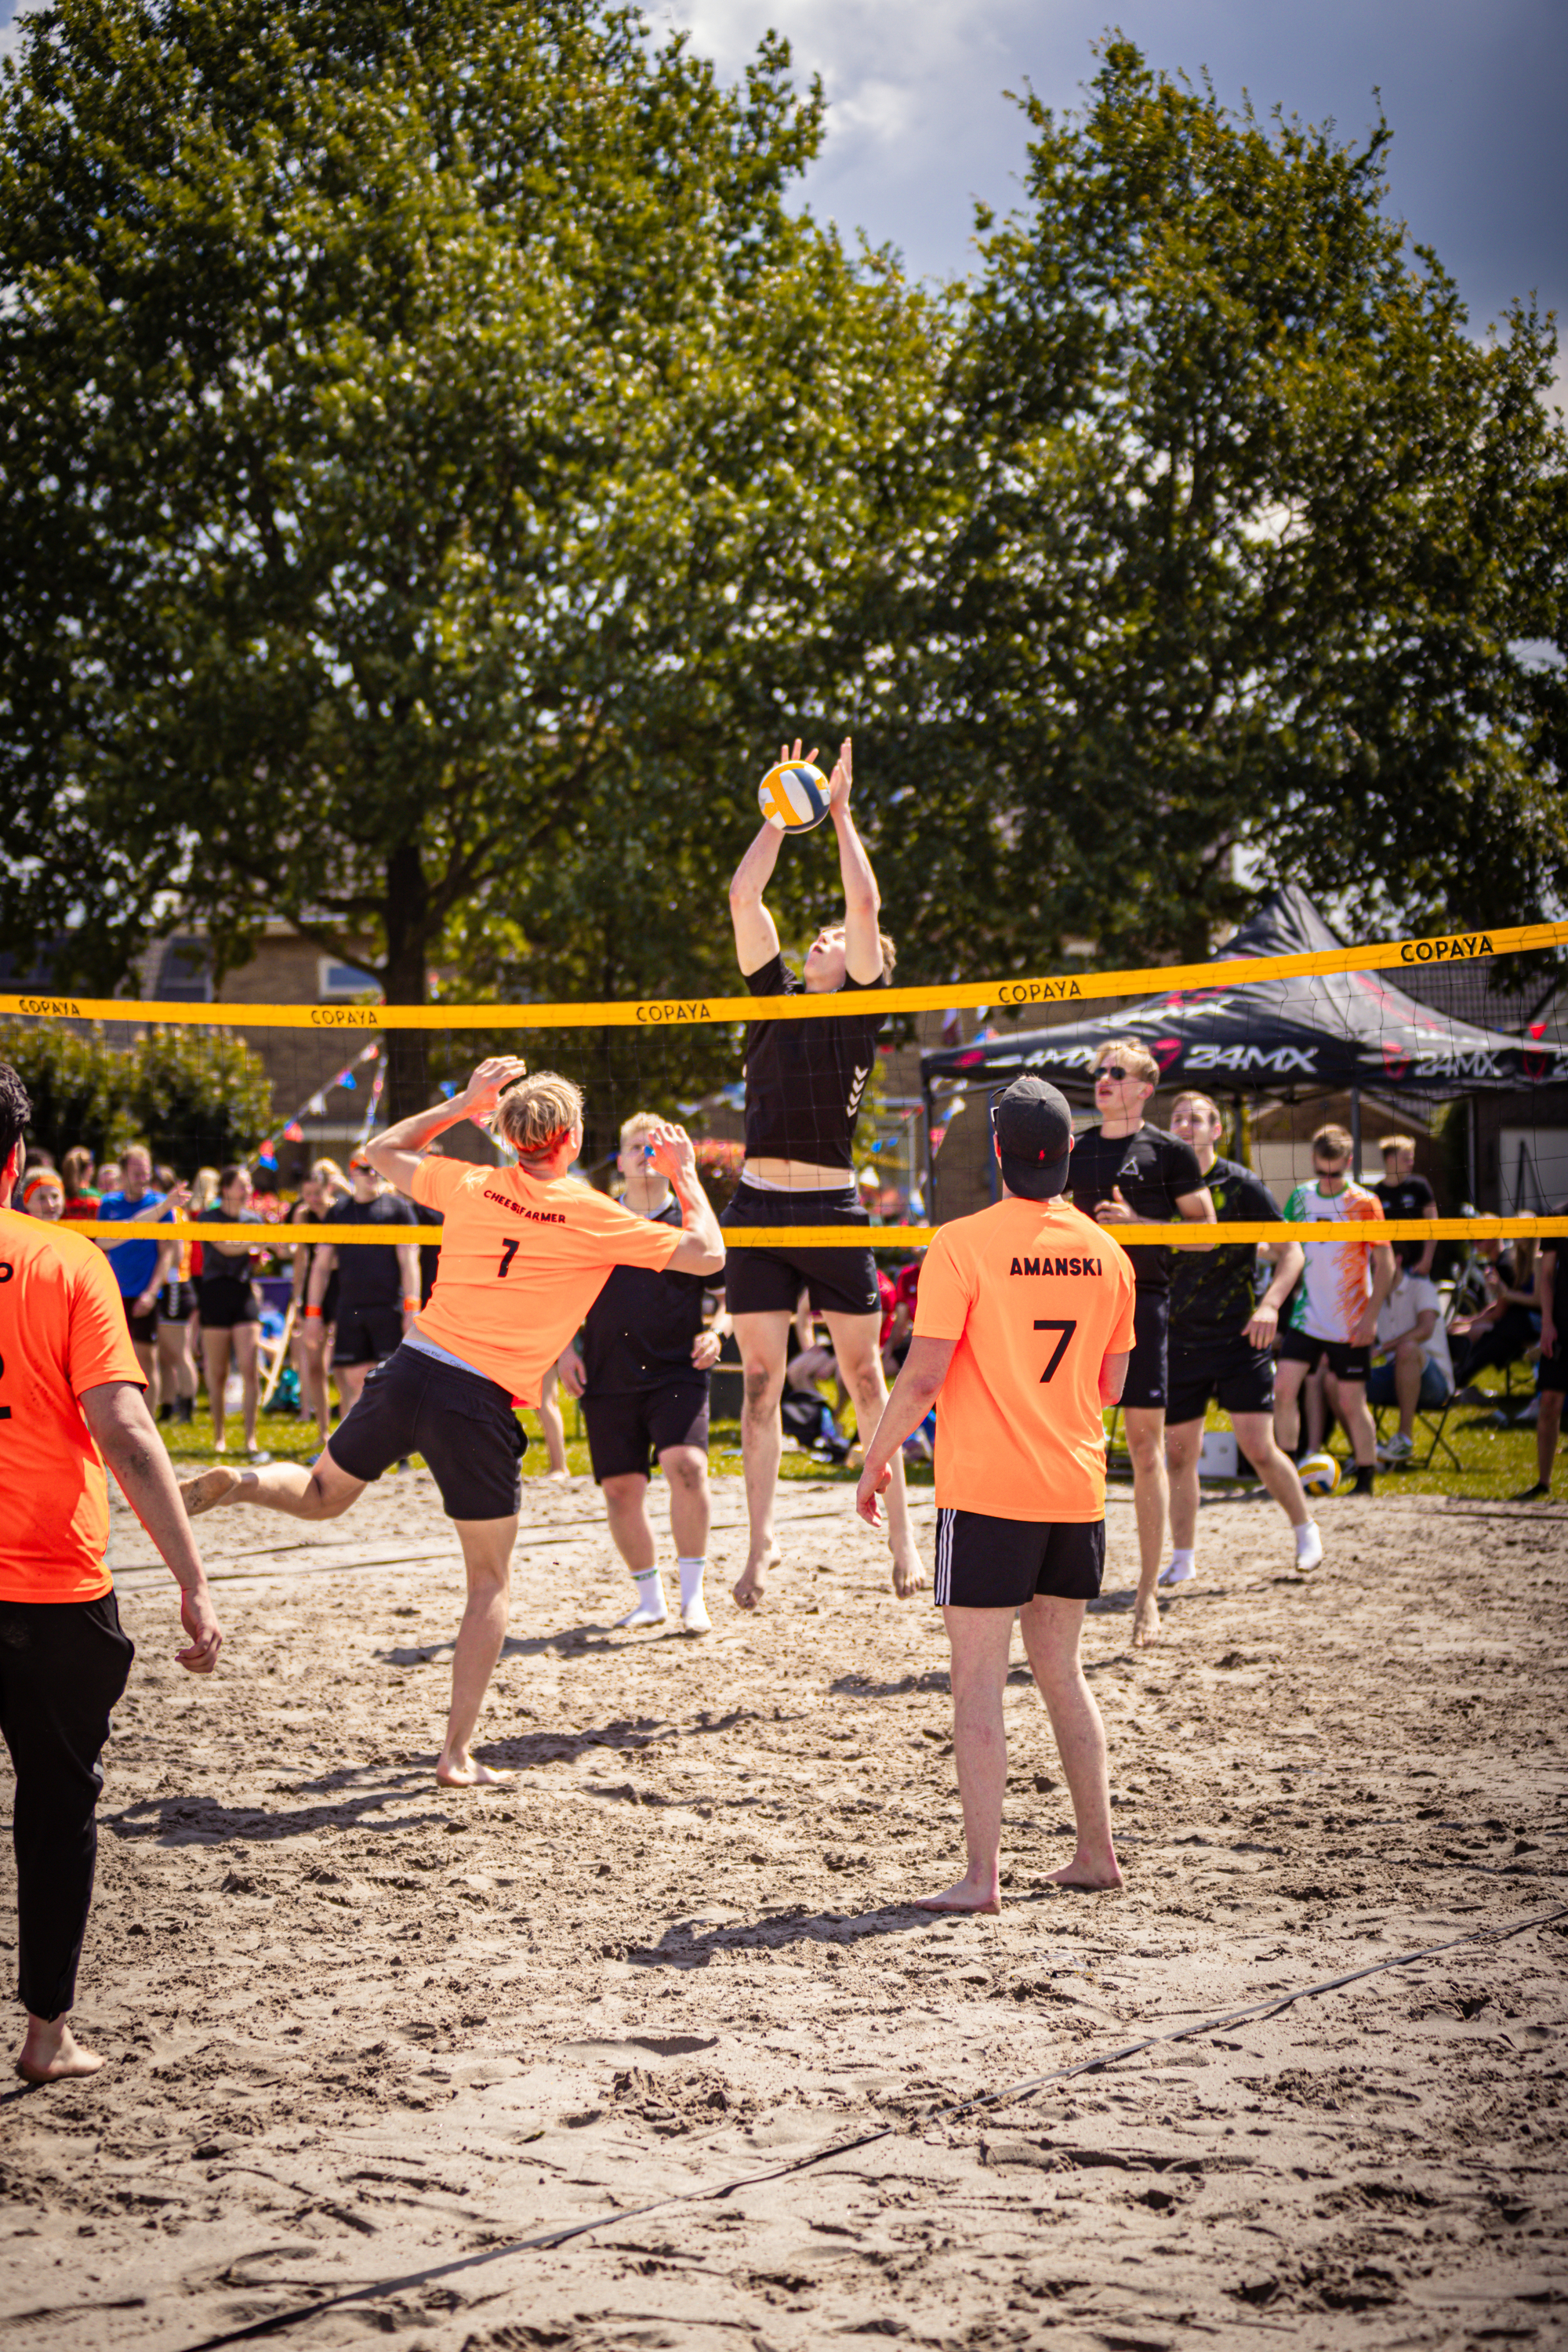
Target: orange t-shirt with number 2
{"points": [[1036, 1295], [521, 1262], [63, 1331]]}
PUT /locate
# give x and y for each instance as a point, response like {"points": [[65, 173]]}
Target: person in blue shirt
{"points": [[138, 1265]]}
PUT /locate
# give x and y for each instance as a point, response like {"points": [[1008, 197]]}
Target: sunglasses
{"points": [[1115, 1070]]}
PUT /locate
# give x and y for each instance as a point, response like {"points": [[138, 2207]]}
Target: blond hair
{"points": [[204, 1190], [1397, 1143], [1191, 1094], [1336, 1141], [1138, 1058], [640, 1123], [535, 1115], [327, 1171]]}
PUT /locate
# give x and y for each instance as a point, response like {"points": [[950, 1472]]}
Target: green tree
{"points": [[431, 439], [1241, 533], [194, 1096]]}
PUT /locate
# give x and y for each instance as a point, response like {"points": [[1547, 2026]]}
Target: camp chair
{"points": [[1433, 1422]]}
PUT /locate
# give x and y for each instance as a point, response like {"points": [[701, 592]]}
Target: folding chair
{"points": [[1433, 1422]]}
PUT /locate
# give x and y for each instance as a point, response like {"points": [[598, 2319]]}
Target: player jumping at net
{"points": [[804, 1083], [1023, 1325], [1223, 1338], [525, 1253], [640, 1367]]}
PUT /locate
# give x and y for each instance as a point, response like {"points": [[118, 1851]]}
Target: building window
{"points": [[184, 976], [339, 980]]}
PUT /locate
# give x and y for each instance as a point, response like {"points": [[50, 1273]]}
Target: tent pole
{"points": [[930, 1154], [1355, 1135]]}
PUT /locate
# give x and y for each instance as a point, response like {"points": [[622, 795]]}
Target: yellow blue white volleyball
{"points": [[1320, 1473], [794, 794]]}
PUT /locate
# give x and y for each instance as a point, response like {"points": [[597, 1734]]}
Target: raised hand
{"points": [[1115, 1212], [490, 1081], [842, 781]]}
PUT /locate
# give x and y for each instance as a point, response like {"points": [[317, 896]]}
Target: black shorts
{"points": [[176, 1302], [224, 1303], [987, 1563], [760, 1281], [461, 1422], [1147, 1374], [142, 1328], [627, 1433], [368, 1335], [1346, 1362], [1551, 1373], [1239, 1376]]}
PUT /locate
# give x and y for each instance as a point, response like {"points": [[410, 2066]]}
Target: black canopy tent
{"points": [[1325, 1032]]}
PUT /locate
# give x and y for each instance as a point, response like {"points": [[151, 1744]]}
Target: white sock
{"points": [[1181, 1569], [1308, 1544], [650, 1609], [690, 1574]]}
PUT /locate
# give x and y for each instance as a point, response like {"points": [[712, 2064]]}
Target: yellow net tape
{"points": [[1190, 1236], [665, 1012]]}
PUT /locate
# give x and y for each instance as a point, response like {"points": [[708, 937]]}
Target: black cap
{"points": [[1034, 1137]]}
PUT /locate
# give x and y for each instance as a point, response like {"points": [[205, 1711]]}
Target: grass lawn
{"points": [[1495, 1461]]}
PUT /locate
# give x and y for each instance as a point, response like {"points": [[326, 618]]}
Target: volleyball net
{"points": [[1459, 1042]]}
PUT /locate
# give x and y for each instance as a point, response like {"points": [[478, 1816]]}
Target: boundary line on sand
{"points": [[542, 2240]]}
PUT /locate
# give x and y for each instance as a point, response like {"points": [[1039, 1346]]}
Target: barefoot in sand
{"points": [[1091, 1873], [908, 1576], [969, 1895], [754, 1577], [206, 1490], [460, 1771], [50, 2052], [1145, 1622]]}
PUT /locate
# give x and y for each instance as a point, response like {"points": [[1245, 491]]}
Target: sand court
{"points": [[365, 2034]]}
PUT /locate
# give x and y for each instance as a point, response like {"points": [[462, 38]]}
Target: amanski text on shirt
{"points": [[534, 1216], [1458, 950], [1079, 1265], [661, 1008], [1037, 992]]}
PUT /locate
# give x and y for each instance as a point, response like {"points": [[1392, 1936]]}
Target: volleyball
{"points": [[794, 794], [1318, 1472]]}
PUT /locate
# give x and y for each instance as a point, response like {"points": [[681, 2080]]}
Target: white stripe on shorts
{"points": [[943, 1578]]}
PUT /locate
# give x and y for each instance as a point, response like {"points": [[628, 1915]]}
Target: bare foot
{"points": [[557, 1478], [206, 1490], [1146, 1621], [462, 1772], [965, 1897], [754, 1577], [908, 1576], [51, 2053], [1092, 1878]]}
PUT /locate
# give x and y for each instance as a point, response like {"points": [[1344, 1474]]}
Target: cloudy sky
{"points": [[919, 127], [1473, 88]]}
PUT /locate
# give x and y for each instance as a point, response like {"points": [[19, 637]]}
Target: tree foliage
{"points": [[439, 466], [192, 1097], [423, 411], [1242, 530]]}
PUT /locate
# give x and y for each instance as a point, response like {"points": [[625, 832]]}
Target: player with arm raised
{"points": [[525, 1253], [804, 1082]]}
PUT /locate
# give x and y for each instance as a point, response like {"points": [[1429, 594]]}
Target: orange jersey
{"points": [[62, 1329], [521, 1263], [1036, 1295]]}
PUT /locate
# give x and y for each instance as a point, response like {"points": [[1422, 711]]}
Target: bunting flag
{"points": [[448, 1088], [377, 1085], [316, 1107], [265, 1157], [293, 1132]]}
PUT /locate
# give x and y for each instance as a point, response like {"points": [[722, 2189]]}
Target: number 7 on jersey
{"points": [[1059, 1350]]}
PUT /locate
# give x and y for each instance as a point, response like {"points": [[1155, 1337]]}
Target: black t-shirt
{"points": [[805, 1078], [1152, 1170], [638, 1332], [1558, 1245], [1214, 1292], [1406, 1196], [218, 1265], [371, 1277]]}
